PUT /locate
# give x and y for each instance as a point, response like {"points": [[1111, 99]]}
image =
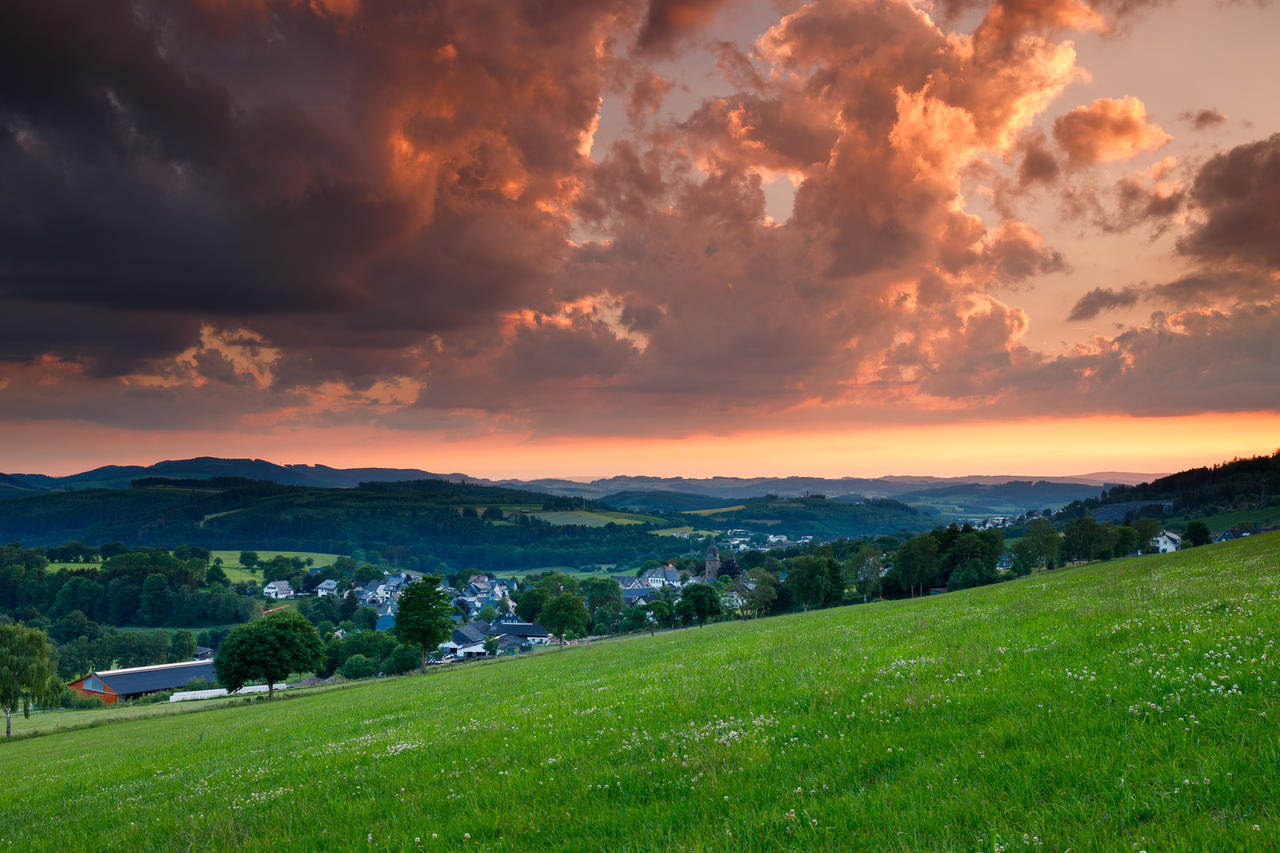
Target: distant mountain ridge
{"points": [[207, 467], [729, 488]]}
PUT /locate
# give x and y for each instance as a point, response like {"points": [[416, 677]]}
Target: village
{"points": [[486, 621]]}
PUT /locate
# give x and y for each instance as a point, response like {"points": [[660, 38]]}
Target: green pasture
{"points": [[63, 720], [595, 518], [1268, 516], [577, 571], [237, 573], [56, 566], [674, 531], [1120, 706], [717, 511], [948, 511]]}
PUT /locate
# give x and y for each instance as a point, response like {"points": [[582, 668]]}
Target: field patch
{"points": [[237, 573], [1128, 705], [718, 510], [686, 530], [588, 518]]}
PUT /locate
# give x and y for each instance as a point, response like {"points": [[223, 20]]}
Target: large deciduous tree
{"points": [[704, 599], [816, 580], [154, 606], [26, 673], [1041, 544], [764, 590], [564, 613], [423, 617], [917, 561], [1198, 534], [269, 648]]}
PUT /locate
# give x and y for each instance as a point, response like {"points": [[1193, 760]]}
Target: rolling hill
{"points": [[816, 516], [662, 501], [1127, 705], [1250, 483], [207, 467], [983, 500], [420, 521], [323, 476]]}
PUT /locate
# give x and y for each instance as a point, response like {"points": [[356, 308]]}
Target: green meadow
{"points": [[237, 573], [595, 518], [1129, 705]]}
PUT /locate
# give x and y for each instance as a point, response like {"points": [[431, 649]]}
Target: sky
{"points": [[670, 237]]}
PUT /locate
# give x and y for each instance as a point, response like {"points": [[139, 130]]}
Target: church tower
{"points": [[712, 570]]}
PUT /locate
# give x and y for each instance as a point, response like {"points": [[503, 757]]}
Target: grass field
{"points": [[675, 531], [718, 510], [237, 573], [1263, 517], [595, 518], [576, 571], [1128, 705]]}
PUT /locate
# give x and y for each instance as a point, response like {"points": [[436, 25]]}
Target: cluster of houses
{"points": [[511, 634], [651, 583], [482, 591]]}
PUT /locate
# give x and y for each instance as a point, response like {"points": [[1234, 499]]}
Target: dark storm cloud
{"points": [[144, 174], [1039, 165], [1237, 195], [1102, 299], [669, 21], [337, 209]]}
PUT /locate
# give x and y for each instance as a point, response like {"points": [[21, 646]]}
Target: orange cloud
{"points": [[1107, 130]]}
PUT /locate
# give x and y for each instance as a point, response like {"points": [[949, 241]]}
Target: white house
{"points": [[327, 588], [658, 578], [278, 590], [1167, 541]]}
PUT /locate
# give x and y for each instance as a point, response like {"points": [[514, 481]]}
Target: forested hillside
{"points": [[410, 524], [817, 516], [1238, 484]]}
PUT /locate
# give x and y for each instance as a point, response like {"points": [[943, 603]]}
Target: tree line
{"points": [[149, 587]]}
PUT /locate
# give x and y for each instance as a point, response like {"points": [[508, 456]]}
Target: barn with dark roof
{"points": [[123, 685]]}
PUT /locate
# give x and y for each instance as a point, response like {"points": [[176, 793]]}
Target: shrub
{"points": [[154, 698], [358, 666], [401, 660], [80, 702]]}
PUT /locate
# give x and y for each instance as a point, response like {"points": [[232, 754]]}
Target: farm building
{"points": [[122, 685]]}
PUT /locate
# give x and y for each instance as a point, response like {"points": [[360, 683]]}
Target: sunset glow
{"points": [[668, 237]]}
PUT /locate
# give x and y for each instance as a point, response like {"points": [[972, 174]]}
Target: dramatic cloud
{"points": [[1039, 165], [670, 20], [1102, 299], [485, 217], [1239, 207], [1107, 130]]}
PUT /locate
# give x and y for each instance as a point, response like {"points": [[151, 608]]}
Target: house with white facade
{"points": [[1167, 541], [660, 577], [278, 590]]}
